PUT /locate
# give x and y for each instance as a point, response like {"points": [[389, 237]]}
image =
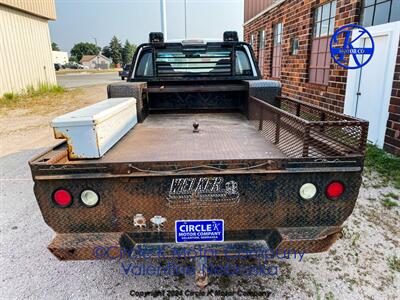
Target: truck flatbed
{"points": [[170, 137]]}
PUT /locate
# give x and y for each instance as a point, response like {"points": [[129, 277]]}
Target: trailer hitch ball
{"points": [[196, 127]]}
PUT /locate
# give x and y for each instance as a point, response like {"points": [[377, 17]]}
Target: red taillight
{"points": [[62, 198], [334, 190]]}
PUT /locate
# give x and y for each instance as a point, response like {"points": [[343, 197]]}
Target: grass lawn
{"points": [[385, 164], [42, 97]]}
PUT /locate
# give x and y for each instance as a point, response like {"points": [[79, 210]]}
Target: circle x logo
{"points": [[341, 46]]}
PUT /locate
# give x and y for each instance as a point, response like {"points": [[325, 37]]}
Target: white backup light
{"points": [[89, 198], [308, 191]]}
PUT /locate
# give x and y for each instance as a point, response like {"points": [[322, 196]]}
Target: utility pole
{"points": [[163, 9], [185, 20], [97, 58]]}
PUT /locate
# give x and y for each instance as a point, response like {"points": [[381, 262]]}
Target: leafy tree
{"points": [[127, 52], [82, 49], [115, 48], [73, 59], [54, 47], [106, 51]]}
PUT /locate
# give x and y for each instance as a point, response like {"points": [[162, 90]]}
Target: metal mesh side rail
{"points": [[301, 130]]}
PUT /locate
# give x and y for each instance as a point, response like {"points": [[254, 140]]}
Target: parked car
{"points": [[74, 65], [125, 71], [71, 65], [57, 66], [218, 158]]}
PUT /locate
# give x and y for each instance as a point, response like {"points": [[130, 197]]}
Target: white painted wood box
{"points": [[93, 130]]}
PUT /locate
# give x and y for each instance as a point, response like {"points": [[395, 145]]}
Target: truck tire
{"points": [[131, 89]]}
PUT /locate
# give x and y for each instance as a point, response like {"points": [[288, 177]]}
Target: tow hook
{"points": [[139, 221], [158, 221]]}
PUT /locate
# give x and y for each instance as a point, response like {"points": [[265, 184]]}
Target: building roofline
{"points": [[94, 56], [48, 17], [272, 6]]}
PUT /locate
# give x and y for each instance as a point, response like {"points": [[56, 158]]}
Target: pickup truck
{"points": [[125, 71], [214, 143]]}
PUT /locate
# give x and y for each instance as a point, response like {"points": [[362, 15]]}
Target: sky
{"points": [[85, 20]]}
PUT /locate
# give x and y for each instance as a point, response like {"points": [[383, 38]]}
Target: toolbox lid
{"points": [[95, 113]]}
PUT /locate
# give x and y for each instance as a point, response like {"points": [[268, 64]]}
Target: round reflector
{"points": [[89, 198], [62, 198], [334, 190], [308, 191]]}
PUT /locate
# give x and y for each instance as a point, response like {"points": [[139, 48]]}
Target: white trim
{"points": [[136, 63], [253, 67], [392, 30], [272, 6]]}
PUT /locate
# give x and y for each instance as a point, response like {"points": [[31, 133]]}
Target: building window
{"points": [[252, 40], [324, 23], [277, 51], [261, 50], [294, 46], [375, 12]]}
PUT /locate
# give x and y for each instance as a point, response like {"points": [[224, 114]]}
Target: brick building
{"points": [[291, 42]]}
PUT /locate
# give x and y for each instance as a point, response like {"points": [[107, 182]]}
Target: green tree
{"points": [[115, 49], [82, 49], [54, 47], [106, 51], [127, 52], [73, 59]]}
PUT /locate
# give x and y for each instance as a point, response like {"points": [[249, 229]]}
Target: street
{"points": [[74, 80]]}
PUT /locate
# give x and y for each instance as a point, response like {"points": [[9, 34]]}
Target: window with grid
{"points": [[324, 23], [375, 12], [277, 51]]}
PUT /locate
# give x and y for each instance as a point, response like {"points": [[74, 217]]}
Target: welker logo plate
{"points": [[202, 190]]}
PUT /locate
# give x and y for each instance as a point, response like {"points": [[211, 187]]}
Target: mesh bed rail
{"points": [[300, 129]]}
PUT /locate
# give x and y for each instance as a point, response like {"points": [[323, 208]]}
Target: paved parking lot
{"points": [[74, 80]]}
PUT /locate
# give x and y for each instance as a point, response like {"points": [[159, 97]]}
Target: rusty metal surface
{"points": [[259, 202], [118, 245], [299, 129], [170, 137], [82, 246]]}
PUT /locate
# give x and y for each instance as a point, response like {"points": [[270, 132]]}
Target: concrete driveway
{"points": [[74, 80]]}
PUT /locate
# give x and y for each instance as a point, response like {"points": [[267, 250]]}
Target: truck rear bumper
{"points": [[115, 245]]}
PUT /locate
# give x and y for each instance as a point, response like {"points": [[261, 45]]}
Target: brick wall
{"points": [[392, 137], [297, 19]]}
